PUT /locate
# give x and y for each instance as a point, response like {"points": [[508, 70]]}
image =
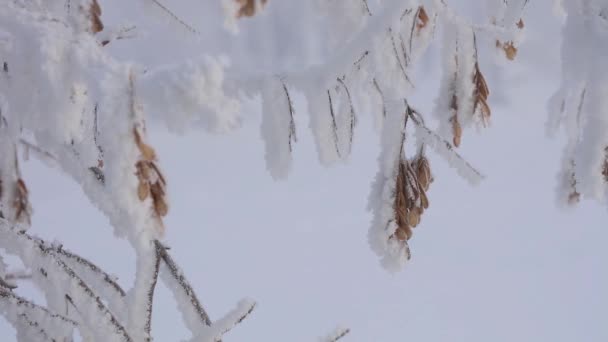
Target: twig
{"points": [[353, 118], [157, 258], [292, 124], [390, 32], [334, 126], [177, 274], [24, 304], [174, 16]]}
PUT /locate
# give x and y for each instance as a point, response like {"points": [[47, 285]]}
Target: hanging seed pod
{"points": [[143, 190], [422, 19], [424, 200], [456, 131], [423, 172], [158, 196], [146, 150], [403, 233], [413, 217]]}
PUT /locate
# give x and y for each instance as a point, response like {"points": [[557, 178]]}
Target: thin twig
{"points": [[353, 117], [183, 282], [292, 124], [390, 32], [174, 16], [334, 126]]}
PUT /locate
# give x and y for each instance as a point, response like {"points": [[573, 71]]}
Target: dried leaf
{"points": [[146, 150], [520, 24], [94, 14], [413, 217], [143, 190], [422, 19], [403, 233], [247, 8], [456, 131]]}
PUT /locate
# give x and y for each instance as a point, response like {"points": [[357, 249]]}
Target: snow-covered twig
{"points": [[36, 255], [193, 313], [13, 307], [446, 150], [220, 327], [336, 335]]}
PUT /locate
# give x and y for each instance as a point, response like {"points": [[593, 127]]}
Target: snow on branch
{"points": [[104, 284], [220, 327], [58, 276], [17, 310], [336, 335], [193, 313], [464, 169]]}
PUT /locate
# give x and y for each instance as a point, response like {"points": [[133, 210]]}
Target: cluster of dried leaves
{"points": [[422, 19], [248, 8], [151, 181], [20, 209], [413, 181], [479, 96], [93, 13], [509, 47]]}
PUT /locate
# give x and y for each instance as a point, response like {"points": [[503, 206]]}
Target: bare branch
{"points": [[11, 304], [174, 17]]}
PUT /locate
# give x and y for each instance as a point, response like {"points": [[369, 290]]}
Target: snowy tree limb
{"points": [[16, 308], [35, 254], [193, 313]]}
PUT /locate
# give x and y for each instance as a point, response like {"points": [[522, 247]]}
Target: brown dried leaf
{"points": [[413, 217], [422, 19], [158, 196], [247, 8], [510, 50], [403, 233], [456, 131], [94, 15], [423, 172], [143, 190], [520, 24], [146, 150]]}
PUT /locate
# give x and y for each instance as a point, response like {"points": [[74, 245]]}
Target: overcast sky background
{"points": [[497, 262]]}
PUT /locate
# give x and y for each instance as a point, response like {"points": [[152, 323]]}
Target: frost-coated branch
{"points": [[336, 335], [57, 276], [220, 327], [19, 310], [193, 313]]}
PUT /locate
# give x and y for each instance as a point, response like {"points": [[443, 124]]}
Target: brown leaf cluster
{"points": [[509, 49], [480, 95], [422, 19], [20, 202], [94, 14], [151, 181], [412, 183], [247, 8]]}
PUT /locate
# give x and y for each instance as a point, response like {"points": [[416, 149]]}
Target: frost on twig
{"points": [[34, 253], [193, 313], [278, 128], [336, 335], [43, 322], [220, 327]]}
